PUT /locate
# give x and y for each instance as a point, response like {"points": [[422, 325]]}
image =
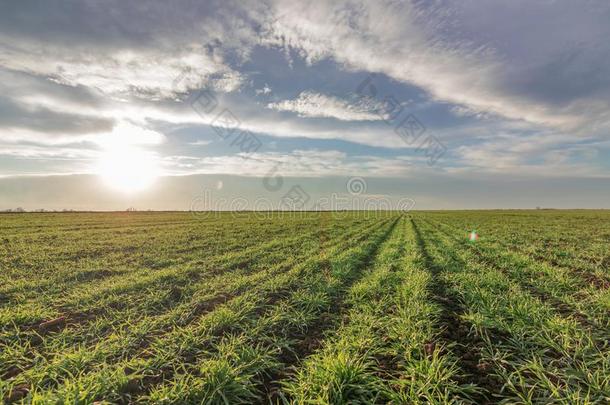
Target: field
{"points": [[305, 308]]}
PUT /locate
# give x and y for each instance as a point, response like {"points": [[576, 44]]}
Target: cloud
{"points": [[296, 163], [439, 48], [36, 152], [126, 49], [29, 105], [552, 70], [312, 104], [200, 142], [14, 115], [520, 87], [123, 73], [126, 134], [265, 90], [554, 155]]}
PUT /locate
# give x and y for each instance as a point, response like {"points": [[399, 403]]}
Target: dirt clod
{"points": [[429, 348], [17, 393], [52, 324]]}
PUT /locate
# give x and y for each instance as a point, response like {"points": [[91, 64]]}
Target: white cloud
{"points": [[124, 70], [265, 90], [312, 104], [200, 142], [126, 134], [462, 111], [37, 152], [124, 73], [553, 155], [409, 42], [297, 163]]}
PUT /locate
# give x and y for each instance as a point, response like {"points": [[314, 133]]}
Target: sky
{"points": [[195, 105]]}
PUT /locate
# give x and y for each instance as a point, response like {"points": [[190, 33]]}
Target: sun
{"points": [[125, 164], [128, 169]]}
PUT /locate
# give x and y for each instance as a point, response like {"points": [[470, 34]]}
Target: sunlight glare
{"points": [[128, 169]]}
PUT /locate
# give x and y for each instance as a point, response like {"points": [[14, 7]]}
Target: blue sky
{"points": [[510, 100]]}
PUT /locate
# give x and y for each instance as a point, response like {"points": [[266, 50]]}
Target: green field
{"points": [[305, 308]]}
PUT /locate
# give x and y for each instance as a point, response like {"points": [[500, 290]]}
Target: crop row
{"points": [[140, 337]]}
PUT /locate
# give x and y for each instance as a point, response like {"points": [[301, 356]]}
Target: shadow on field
{"points": [[455, 332], [310, 341], [562, 308]]}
